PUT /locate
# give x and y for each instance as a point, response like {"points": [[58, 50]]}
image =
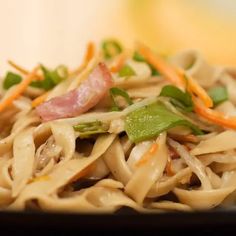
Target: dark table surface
{"points": [[218, 222]]}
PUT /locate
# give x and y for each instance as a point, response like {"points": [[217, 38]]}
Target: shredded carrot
{"points": [[37, 101], [195, 88], [23, 70], [159, 64], [169, 169], [84, 172], [214, 116], [19, 68], [145, 158], [20, 88], [121, 58], [89, 54], [175, 75], [185, 138]]}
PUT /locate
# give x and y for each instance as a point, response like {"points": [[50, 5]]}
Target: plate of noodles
{"points": [[128, 128]]}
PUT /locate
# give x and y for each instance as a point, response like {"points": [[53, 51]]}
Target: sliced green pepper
{"points": [[90, 128], [140, 58], [218, 95], [111, 48], [51, 77], [114, 92], [126, 70], [11, 79], [179, 98], [149, 121]]}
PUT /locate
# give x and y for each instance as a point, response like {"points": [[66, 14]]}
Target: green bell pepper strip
{"points": [[11, 79], [114, 92], [149, 121], [179, 98], [218, 95], [90, 128]]}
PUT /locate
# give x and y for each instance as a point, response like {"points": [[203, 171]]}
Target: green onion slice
{"points": [[218, 94], [11, 79], [51, 77], [138, 57], [179, 98], [126, 70], [111, 48], [90, 128], [114, 92]]}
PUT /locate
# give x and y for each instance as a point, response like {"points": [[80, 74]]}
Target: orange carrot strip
{"points": [[175, 75], [20, 88], [168, 169], [37, 101], [89, 54], [22, 70], [119, 63], [144, 159], [19, 68], [159, 64], [195, 88], [214, 116], [172, 76]]}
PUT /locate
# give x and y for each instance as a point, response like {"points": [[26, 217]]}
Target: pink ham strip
{"points": [[79, 100]]}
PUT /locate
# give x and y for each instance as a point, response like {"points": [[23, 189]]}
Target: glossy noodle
{"points": [[128, 128]]}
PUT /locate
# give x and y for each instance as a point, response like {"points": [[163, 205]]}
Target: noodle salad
{"points": [[126, 128]]}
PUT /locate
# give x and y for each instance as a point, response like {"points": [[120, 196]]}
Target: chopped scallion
{"points": [[114, 92], [218, 94], [90, 128], [51, 77], [126, 70], [179, 98], [140, 58], [11, 79], [111, 48]]}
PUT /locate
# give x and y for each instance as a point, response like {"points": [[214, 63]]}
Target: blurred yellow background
{"points": [[173, 25], [56, 31]]}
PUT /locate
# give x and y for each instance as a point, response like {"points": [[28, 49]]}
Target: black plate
{"points": [[125, 220]]}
